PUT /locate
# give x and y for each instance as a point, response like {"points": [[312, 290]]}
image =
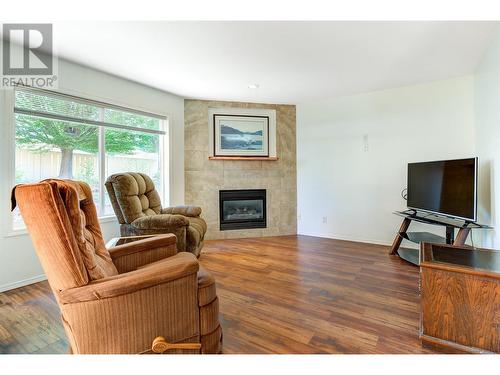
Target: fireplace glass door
{"points": [[242, 209]]}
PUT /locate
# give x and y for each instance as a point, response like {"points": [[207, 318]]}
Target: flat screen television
{"points": [[446, 187]]}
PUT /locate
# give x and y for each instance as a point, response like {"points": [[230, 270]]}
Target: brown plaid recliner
{"points": [[137, 206]]}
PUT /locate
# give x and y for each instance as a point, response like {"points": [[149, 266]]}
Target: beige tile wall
{"points": [[204, 178]]}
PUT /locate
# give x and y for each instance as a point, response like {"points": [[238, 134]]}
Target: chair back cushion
{"points": [[88, 234], [62, 221], [133, 195]]}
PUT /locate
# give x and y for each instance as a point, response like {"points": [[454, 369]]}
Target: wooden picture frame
{"points": [[241, 135]]}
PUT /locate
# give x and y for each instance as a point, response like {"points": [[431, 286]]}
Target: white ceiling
{"points": [[292, 62]]}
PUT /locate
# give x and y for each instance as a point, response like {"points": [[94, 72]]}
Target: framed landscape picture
{"points": [[241, 135]]}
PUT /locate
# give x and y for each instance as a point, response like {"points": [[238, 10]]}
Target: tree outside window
{"points": [[50, 145]]}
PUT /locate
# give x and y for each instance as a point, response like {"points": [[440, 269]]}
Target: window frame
{"points": [[164, 147]]}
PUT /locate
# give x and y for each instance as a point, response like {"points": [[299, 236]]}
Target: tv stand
{"points": [[413, 255]]}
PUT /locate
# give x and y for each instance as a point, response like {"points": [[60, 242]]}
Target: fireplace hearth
{"points": [[242, 209]]}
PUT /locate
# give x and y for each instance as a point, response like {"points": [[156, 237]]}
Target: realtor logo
{"points": [[27, 55]]}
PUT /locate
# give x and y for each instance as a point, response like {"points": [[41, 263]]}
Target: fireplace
{"points": [[242, 209]]}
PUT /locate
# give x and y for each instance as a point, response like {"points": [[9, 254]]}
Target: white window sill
{"points": [[106, 219], [24, 231]]}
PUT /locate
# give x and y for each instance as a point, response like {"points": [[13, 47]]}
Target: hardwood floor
{"points": [[30, 321], [291, 294]]}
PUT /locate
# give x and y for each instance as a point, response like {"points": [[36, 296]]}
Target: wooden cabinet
{"points": [[460, 296]]}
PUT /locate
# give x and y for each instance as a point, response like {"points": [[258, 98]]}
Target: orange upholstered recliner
{"points": [[117, 300]]}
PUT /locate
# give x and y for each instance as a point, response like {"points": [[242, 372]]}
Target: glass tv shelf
{"points": [[435, 219], [413, 255]]}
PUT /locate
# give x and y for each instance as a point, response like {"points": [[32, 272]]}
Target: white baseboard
{"points": [[20, 283], [345, 238], [355, 239]]}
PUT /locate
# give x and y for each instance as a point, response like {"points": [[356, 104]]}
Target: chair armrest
{"points": [[165, 222], [132, 255], [143, 244], [123, 240], [172, 268], [191, 211]]}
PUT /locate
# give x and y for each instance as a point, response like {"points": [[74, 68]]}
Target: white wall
{"points": [[357, 189], [487, 111], [18, 262]]}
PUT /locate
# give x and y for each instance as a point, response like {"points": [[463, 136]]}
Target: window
{"points": [[61, 136]]}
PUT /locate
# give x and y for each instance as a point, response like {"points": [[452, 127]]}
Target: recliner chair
{"points": [[122, 299], [138, 208]]}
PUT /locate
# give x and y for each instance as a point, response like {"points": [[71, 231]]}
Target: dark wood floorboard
{"points": [[290, 294]]}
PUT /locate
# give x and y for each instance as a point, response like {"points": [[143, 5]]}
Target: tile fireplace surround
{"points": [[204, 177]]}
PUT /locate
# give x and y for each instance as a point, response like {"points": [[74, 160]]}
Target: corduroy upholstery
{"points": [[138, 208], [117, 300]]}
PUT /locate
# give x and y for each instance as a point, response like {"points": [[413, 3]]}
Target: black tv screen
{"points": [[447, 187]]}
